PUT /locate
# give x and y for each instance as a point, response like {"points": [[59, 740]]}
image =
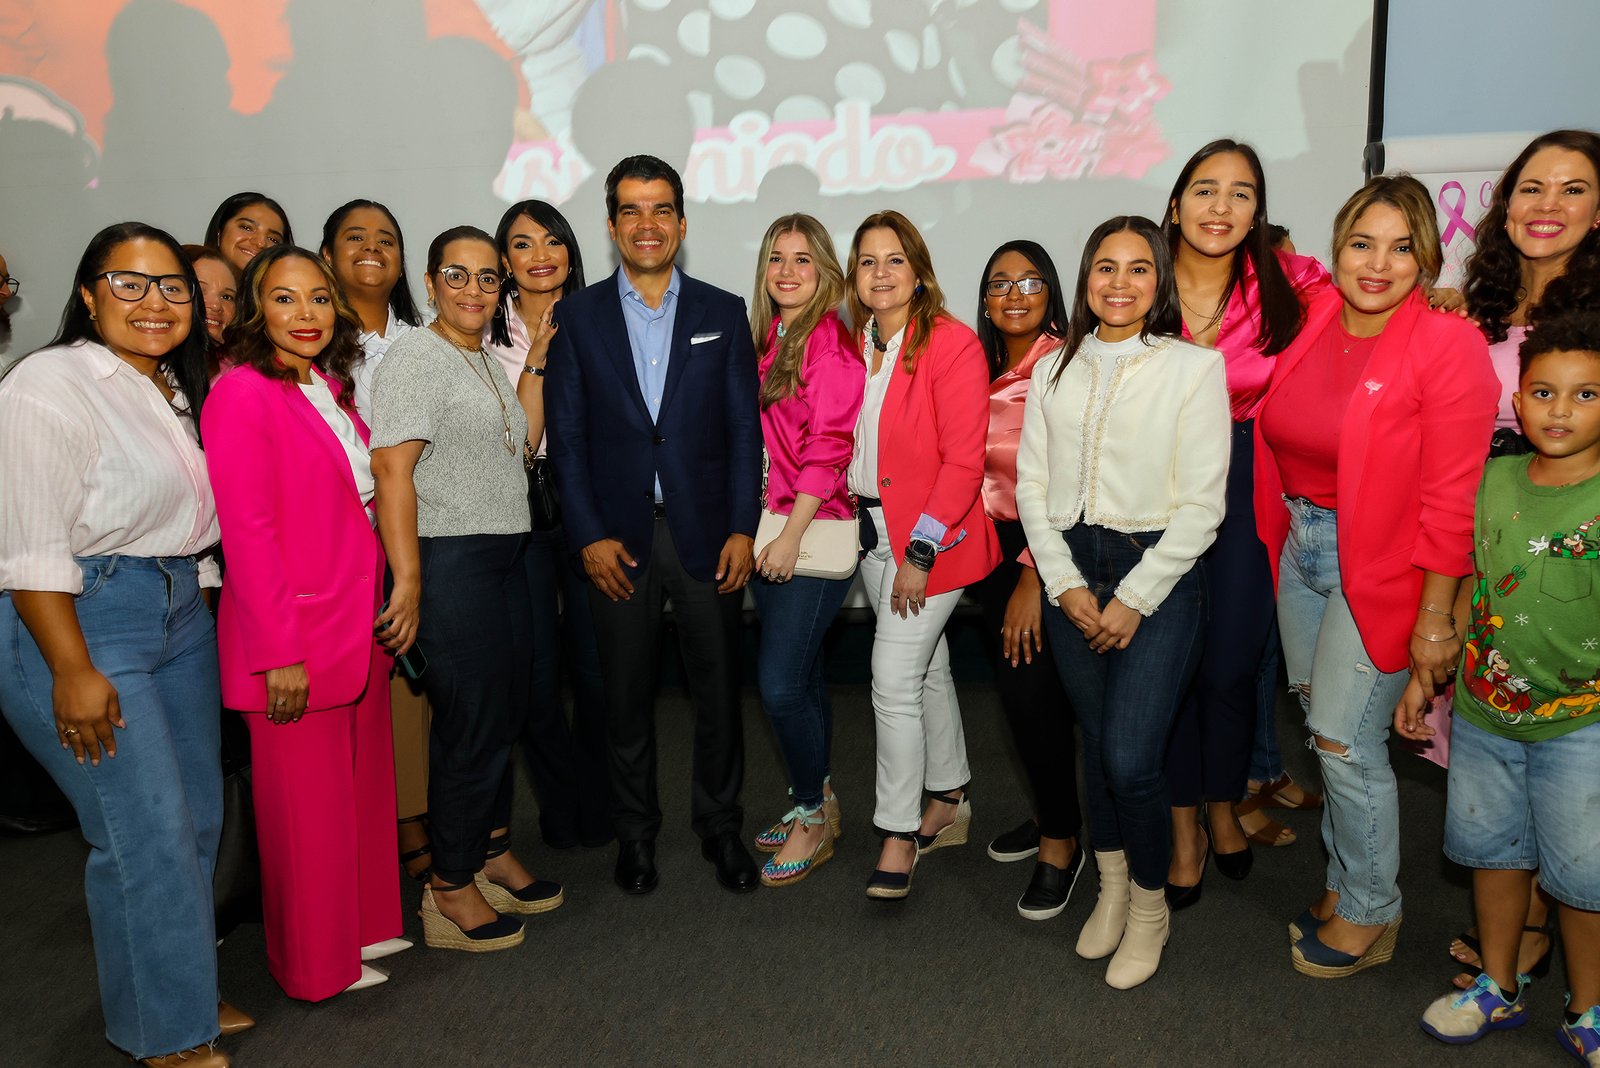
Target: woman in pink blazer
{"points": [[916, 472], [1370, 443], [288, 463]]}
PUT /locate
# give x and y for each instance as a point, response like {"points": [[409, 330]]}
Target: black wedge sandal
{"points": [[541, 895]]}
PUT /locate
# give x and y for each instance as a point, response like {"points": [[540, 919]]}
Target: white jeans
{"points": [[920, 742]]}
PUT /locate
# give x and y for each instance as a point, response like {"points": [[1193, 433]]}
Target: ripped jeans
{"points": [[1350, 704]]}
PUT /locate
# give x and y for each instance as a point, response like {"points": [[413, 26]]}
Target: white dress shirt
{"points": [[355, 450], [862, 476], [95, 462], [373, 347]]}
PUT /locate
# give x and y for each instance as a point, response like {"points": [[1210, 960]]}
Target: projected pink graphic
{"points": [[1065, 93]]}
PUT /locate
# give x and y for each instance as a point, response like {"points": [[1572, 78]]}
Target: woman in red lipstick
{"points": [[1538, 255], [1243, 297], [287, 455], [567, 762], [1368, 450]]}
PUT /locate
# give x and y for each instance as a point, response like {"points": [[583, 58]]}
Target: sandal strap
{"points": [[947, 799], [438, 885], [809, 817], [499, 845], [904, 836]]}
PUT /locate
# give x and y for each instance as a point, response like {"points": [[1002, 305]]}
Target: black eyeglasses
{"points": [[13, 286], [1000, 287], [456, 276], [133, 285]]}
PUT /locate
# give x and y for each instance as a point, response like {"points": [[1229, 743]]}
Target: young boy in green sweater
{"points": [[1524, 787]]}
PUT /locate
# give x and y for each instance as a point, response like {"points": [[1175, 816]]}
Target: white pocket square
{"points": [[701, 339]]}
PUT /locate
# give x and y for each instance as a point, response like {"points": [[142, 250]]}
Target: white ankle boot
{"points": [[1103, 929], [1148, 927]]}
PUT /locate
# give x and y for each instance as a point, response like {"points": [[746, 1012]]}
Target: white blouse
{"points": [[355, 450], [95, 462], [862, 475], [373, 348], [1134, 437]]}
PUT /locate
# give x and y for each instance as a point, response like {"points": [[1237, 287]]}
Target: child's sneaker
{"points": [[1473, 1013], [1582, 1039]]}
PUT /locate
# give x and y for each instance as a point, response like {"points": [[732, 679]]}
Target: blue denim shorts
{"points": [[1526, 806]]}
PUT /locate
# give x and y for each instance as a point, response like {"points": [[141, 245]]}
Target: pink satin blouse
{"points": [[809, 436]]}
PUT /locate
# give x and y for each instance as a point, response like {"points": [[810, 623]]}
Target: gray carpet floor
{"points": [[817, 973]]}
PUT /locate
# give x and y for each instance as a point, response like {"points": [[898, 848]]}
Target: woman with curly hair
{"points": [[1538, 255], [287, 456]]}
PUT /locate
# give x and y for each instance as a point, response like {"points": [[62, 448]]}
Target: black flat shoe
{"points": [[736, 871], [1050, 888], [1019, 843], [1235, 866], [1181, 897], [636, 867]]}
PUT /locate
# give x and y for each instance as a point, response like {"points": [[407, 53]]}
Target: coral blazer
{"points": [[1411, 451], [932, 436], [304, 568]]}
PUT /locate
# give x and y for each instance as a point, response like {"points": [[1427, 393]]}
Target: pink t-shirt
{"points": [[1303, 422], [1248, 371], [1503, 354], [810, 435], [1007, 394]]}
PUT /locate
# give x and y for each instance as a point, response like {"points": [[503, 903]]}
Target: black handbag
{"points": [[544, 503], [236, 885]]}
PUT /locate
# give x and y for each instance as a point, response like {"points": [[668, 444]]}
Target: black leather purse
{"points": [[544, 503]]}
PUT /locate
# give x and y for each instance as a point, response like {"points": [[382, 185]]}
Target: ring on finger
{"points": [[69, 731]]}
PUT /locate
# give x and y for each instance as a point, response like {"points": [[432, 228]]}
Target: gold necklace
{"points": [[486, 379]]}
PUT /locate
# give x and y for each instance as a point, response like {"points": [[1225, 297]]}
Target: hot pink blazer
{"points": [[1411, 451], [303, 568], [931, 439]]}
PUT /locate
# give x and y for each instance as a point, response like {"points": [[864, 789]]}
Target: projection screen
{"points": [[983, 120]]}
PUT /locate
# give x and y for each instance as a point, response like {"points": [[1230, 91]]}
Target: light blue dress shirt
{"points": [[650, 338]]}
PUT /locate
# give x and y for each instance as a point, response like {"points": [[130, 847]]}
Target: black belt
{"points": [[661, 510], [869, 529]]}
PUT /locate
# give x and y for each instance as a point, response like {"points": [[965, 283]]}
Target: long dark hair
{"points": [[1281, 311], [186, 362], [1164, 318], [237, 203], [401, 301], [1055, 312], [554, 223], [247, 340], [1494, 273]]}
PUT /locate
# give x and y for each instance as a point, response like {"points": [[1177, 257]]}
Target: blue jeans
{"points": [[567, 763], [1266, 762], [1527, 806], [152, 815], [1349, 702], [1126, 699], [794, 619]]}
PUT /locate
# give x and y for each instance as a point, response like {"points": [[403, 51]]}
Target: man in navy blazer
{"points": [[656, 440]]}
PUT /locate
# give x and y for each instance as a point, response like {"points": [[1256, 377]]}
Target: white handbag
{"points": [[829, 548]]}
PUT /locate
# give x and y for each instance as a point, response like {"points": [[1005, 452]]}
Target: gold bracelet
{"points": [[1424, 637], [1435, 611]]}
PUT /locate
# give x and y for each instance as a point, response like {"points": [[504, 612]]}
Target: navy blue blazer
{"points": [[705, 445]]}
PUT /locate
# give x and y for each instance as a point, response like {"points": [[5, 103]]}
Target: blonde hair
{"points": [[927, 302], [783, 377], [1412, 200]]}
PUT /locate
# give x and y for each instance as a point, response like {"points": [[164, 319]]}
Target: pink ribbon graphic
{"points": [[1454, 214]]}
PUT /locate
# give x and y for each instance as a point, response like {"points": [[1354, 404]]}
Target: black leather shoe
{"points": [[735, 870], [636, 867], [1050, 888]]}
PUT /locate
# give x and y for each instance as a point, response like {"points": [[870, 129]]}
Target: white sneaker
{"points": [[370, 976], [387, 948]]}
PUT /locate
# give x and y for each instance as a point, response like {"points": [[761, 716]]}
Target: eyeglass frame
{"points": [[989, 289], [149, 280], [12, 284], [499, 279]]}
